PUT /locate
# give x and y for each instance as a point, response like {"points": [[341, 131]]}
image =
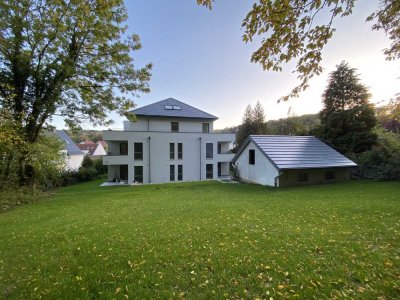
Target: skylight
{"points": [[172, 107]]}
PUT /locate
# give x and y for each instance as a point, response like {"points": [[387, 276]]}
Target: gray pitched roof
{"points": [[297, 152], [69, 144], [184, 111]]}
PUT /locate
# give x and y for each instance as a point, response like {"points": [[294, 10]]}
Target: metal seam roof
{"points": [[69, 145], [297, 152]]}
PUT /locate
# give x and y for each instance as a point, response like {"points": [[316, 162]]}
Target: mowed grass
{"points": [[204, 240]]}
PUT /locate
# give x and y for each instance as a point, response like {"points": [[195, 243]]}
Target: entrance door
{"points": [[123, 172]]}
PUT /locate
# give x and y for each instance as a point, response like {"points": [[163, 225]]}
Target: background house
{"points": [[171, 141], [289, 160], [73, 155], [93, 149]]}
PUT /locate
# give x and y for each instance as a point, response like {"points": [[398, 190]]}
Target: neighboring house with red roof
{"points": [[93, 149]]}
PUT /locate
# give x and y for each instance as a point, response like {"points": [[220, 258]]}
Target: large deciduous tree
{"points": [[67, 57], [347, 119], [70, 58], [299, 30]]}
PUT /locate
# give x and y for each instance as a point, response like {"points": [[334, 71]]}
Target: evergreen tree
{"points": [[259, 119], [253, 122], [347, 118]]}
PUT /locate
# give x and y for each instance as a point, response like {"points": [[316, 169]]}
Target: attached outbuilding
{"points": [[289, 160]]}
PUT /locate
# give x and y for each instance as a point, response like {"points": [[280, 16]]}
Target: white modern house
{"points": [[72, 154], [170, 141], [289, 160]]}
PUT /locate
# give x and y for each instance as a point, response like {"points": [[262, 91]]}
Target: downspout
{"points": [[200, 158], [149, 162], [276, 178], [148, 123]]}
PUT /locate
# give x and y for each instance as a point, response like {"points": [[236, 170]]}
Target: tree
{"points": [[347, 118], [292, 30], [253, 123], [68, 58]]}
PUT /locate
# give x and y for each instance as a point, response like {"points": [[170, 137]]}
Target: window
{"points": [[171, 173], [180, 172], [209, 171], [330, 175], [123, 172], [252, 157], [171, 151], [219, 169], [209, 150], [206, 127], [123, 149], [174, 126], [219, 145], [180, 150], [138, 151], [302, 177], [172, 107], [138, 176]]}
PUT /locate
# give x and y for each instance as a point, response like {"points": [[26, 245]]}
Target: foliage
{"points": [[85, 135], [204, 240], [253, 123], [389, 115], [293, 30], [87, 162], [99, 166], [294, 125], [347, 118], [67, 58], [383, 161]]}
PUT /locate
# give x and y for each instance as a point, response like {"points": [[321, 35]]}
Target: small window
{"points": [[171, 151], [209, 171], [180, 151], [171, 173], [252, 157], [206, 127], [123, 148], [138, 151], [176, 107], [180, 172], [219, 169], [174, 126], [168, 107], [329, 175], [302, 177], [209, 150], [219, 150], [138, 176]]}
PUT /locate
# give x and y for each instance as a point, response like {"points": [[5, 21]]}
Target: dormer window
{"points": [[172, 107]]}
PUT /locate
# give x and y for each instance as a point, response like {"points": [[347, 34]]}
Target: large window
{"points": [[180, 151], [209, 150], [180, 172], [123, 172], [123, 148], [138, 151], [171, 151], [174, 126], [138, 176], [206, 127], [252, 157], [209, 171], [172, 173]]}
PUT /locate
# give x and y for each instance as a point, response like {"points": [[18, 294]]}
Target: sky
{"points": [[199, 58]]}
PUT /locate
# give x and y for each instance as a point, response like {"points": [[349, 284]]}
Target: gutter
{"points": [[276, 178], [200, 158], [149, 162]]}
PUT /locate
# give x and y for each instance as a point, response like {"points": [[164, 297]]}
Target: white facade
{"points": [[261, 172], [72, 162], [99, 151], [142, 152]]}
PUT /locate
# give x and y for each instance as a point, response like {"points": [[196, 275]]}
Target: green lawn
{"points": [[204, 240]]}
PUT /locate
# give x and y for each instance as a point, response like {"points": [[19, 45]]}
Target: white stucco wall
{"points": [[156, 162], [73, 162], [262, 172], [99, 150], [164, 124]]}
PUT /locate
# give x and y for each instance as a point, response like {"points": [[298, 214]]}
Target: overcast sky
{"points": [[199, 58]]}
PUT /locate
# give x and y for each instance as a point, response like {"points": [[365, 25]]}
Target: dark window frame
{"points": [[138, 177], [138, 155], [209, 173], [209, 154], [174, 126], [171, 172], [330, 175], [180, 150], [206, 127], [252, 157], [171, 150], [180, 172], [302, 177]]}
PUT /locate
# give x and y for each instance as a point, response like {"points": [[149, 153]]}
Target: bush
{"points": [[100, 168]]}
